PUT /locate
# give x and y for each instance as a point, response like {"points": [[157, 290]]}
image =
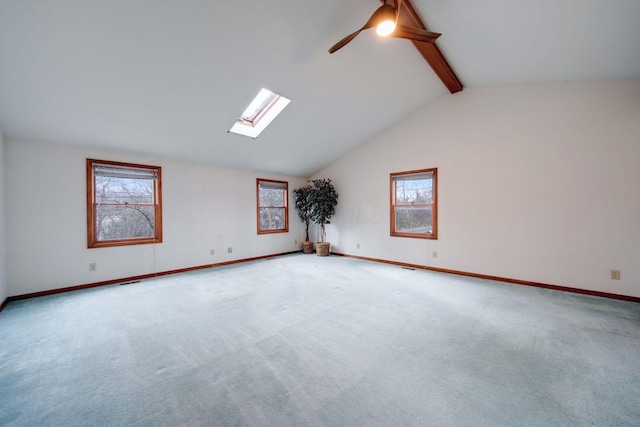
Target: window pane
{"points": [[123, 190], [414, 219], [124, 204], [414, 204], [271, 197], [272, 219], [124, 222], [414, 191]]}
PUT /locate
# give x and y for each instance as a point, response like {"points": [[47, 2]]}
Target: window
{"points": [[414, 204], [260, 112], [123, 204], [273, 216]]}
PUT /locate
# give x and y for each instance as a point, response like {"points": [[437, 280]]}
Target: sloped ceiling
{"points": [[169, 78]]}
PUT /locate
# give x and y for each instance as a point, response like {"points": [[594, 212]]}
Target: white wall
{"points": [[4, 291], [204, 208], [536, 182]]}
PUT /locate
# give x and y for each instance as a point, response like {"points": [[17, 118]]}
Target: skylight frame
{"points": [[262, 110]]}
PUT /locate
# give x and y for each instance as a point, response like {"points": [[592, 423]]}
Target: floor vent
{"points": [[408, 268], [129, 283]]}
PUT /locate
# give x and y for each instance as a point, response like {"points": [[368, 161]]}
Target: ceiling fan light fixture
{"points": [[386, 27], [386, 20]]}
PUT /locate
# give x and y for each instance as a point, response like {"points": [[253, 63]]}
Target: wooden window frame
{"points": [[393, 178], [285, 185], [92, 238]]}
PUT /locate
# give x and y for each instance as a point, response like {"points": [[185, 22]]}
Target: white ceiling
{"points": [[170, 77]]}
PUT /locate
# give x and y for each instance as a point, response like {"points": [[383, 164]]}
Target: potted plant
{"points": [[302, 197], [323, 198]]}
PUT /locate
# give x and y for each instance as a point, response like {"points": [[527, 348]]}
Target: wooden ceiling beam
{"points": [[429, 51]]}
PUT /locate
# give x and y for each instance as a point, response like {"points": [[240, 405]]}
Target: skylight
{"points": [[257, 116]]}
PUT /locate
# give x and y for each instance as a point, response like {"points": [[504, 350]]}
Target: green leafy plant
{"points": [[323, 199], [303, 204]]}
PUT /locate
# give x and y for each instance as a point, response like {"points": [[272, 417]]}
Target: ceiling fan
{"points": [[385, 20], [413, 28]]}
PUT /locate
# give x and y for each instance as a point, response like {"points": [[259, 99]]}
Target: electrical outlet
{"points": [[358, 246], [229, 249], [434, 254], [213, 251], [93, 266], [295, 242], [615, 274]]}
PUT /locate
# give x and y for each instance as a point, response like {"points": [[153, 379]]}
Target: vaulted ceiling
{"points": [[169, 78]]}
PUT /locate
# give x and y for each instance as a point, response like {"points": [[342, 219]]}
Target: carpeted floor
{"points": [[301, 340]]}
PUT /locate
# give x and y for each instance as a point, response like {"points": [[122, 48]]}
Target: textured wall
{"points": [[204, 208], [536, 182], [3, 265]]}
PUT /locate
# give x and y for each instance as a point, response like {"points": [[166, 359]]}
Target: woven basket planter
{"points": [[322, 249], [307, 247]]}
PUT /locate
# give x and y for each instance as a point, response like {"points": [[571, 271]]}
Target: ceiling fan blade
{"points": [[417, 34], [342, 43], [371, 22]]}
